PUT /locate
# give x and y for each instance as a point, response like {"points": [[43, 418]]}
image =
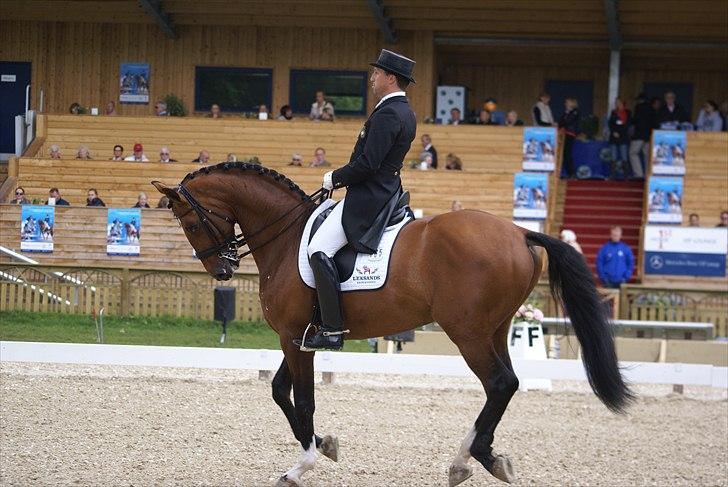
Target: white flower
{"points": [[529, 315], [521, 310]]}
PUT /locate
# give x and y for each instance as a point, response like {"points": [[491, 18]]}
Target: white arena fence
{"points": [[332, 362]]}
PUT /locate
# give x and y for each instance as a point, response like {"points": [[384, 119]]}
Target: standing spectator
{"points": [[455, 117], [118, 153], [453, 163], [296, 160], [214, 111], [83, 153], [164, 155], [427, 145], [542, 111], [160, 109], [672, 112], [643, 123], [512, 119], [319, 106], [569, 237], [20, 198], [569, 125], [55, 151], [723, 219], [484, 118], [619, 122], [263, 112], [286, 113], [615, 261], [319, 158], [110, 109], [203, 157], [709, 119], [142, 201], [138, 155], [694, 220], [56, 195], [93, 199], [231, 158], [456, 206]]}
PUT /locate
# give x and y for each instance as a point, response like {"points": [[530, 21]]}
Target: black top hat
{"points": [[395, 63]]}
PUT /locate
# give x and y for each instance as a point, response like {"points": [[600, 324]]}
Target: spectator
{"points": [[542, 111], [615, 262], [425, 161], [160, 109], [296, 160], [484, 118], [93, 198], [723, 219], [569, 237], [456, 206], [203, 157], [619, 122], [512, 119], [142, 201], [319, 158], [671, 111], [163, 202], [709, 119], [164, 155], [643, 122], [75, 109], [321, 109], [724, 115], [118, 153], [110, 109], [20, 198], [455, 117], [83, 153], [286, 113], [427, 145], [262, 112], [138, 155], [453, 163], [214, 111], [55, 151], [231, 158], [694, 220], [57, 199], [569, 125]]}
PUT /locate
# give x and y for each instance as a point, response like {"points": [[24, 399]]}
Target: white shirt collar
{"points": [[391, 95], [427, 147]]}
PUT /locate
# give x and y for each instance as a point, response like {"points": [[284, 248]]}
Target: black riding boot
{"points": [[331, 335]]}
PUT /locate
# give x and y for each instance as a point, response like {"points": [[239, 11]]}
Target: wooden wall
{"points": [[79, 62]]}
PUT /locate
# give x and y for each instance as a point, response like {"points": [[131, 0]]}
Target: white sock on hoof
{"points": [[306, 462], [464, 453]]}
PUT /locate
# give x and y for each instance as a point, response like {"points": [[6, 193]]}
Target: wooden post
{"points": [[327, 377], [266, 375], [678, 388]]}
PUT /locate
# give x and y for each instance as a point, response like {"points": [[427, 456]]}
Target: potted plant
{"points": [[175, 106]]}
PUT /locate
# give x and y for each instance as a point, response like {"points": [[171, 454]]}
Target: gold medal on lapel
{"points": [[362, 133]]}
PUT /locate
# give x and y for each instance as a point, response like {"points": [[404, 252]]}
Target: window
{"points": [[234, 89], [346, 90]]}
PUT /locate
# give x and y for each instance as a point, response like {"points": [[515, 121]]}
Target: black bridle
{"points": [[226, 247]]}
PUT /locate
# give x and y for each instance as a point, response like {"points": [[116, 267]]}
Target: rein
{"points": [[227, 247]]}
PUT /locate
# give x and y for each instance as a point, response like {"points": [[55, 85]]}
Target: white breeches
{"points": [[330, 236]]}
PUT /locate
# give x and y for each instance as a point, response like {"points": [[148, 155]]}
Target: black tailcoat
{"points": [[372, 174]]}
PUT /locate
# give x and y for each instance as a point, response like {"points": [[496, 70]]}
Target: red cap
{"points": [[138, 147]]}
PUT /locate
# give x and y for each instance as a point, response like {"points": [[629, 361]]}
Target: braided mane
{"points": [[247, 166]]}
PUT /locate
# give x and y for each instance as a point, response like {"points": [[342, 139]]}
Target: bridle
{"points": [[226, 247]]}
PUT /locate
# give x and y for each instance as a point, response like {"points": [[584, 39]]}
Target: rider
{"points": [[372, 180]]}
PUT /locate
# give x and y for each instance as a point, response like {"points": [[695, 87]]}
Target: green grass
{"points": [[142, 330]]}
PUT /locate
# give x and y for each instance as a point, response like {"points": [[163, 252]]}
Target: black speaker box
{"points": [[224, 303]]}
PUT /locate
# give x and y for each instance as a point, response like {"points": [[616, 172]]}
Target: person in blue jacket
{"points": [[615, 261]]}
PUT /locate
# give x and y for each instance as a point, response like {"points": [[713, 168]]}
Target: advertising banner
{"points": [[530, 194], [685, 251], [122, 231], [668, 152], [665, 200], [36, 228], [134, 83], [539, 148]]}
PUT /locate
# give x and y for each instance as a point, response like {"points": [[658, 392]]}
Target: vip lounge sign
{"points": [[685, 251]]}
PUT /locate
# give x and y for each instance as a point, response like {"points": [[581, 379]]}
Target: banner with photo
{"points": [[685, 251], [122, 231], [539, 148], [665, 200], [668, 152], [530, 194], [36, 228], [134, 83]]}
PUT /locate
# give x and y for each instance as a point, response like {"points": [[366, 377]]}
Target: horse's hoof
{"points": [[330, 447], [286, 481], [459, 474], [502, 469]]}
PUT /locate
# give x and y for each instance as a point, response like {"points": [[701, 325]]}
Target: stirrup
{"points": [[332, 333]]}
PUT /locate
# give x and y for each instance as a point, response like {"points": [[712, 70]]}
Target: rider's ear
{"points": [[170, 193]]}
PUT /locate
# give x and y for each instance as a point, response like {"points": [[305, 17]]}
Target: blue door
{"points": [[14, 77]]}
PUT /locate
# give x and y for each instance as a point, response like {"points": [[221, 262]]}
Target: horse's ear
{"points": [[170, 193]]}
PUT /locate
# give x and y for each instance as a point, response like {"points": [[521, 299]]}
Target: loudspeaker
{"points": [[224, 304]]}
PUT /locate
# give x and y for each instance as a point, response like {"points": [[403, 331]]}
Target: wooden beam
{"points": [[155, 11], [383, 21]]}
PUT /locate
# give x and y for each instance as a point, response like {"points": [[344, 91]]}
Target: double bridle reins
{"points": [[226, 247]]}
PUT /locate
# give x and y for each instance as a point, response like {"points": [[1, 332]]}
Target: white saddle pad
{"points": [[370, 271]]}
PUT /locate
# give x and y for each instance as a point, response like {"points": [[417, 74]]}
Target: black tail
{"points": [[572, 284]]}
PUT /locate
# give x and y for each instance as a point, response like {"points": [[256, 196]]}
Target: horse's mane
{"points": [[248, 166]]}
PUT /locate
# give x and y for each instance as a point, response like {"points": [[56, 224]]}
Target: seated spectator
{"points": [[671, 111], [160, 109], [456, 206], [55, 151], [93, 198], [455, 117], [286, 113], [569, 237], [320, 106], [484, 118], [542, 111], [723, 219], [694, 220], [319, 158], [110, 109], [118, 153], [427, 145], [20, 198], [709, 119], [138, 155], [453, 163], [296, 160], [75, 109], [142, 201], [214, 111], [512, 119], [83, 153], [163, 202], [203, 157], [55, 195], [164, 155], [263, 112], [231, 158], [497, 117], [615, 261], [425, 163]]}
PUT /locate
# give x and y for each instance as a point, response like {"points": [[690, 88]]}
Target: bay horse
{"points": [[468, 270]]}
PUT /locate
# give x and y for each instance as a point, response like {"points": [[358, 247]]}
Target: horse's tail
{"points": [[572, 284]]}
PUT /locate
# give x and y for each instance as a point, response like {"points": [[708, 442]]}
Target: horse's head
{"points": [[209, 229]]}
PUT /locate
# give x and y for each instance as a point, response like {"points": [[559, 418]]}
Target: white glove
{"points": [[328, 183]]}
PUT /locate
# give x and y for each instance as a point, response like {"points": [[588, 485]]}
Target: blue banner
{"points": [[134, 83], [668, 152], [36, 228], [665, 200], [530, 194], [123, 230], [539, 148], [685, 264]]}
